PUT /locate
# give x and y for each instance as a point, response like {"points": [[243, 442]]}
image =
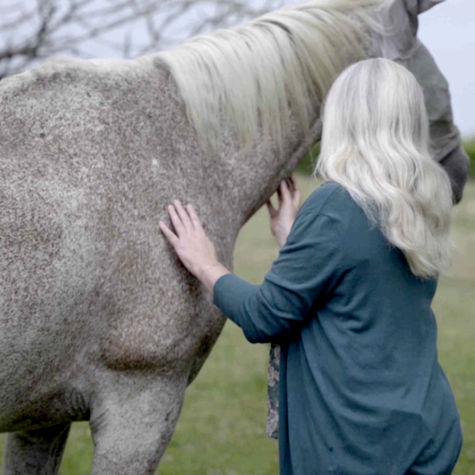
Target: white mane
{"points": [[253, 77]]}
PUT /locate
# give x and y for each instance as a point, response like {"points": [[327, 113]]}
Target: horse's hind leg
{"points": [[35, 451]]}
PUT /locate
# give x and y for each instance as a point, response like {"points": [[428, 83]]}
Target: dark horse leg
{"points": [[35, 451]]}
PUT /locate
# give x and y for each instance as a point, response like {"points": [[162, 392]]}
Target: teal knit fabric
{"points": [[361, 390]]}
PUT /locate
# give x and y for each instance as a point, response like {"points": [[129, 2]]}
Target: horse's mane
{"points": [[254, 77]]}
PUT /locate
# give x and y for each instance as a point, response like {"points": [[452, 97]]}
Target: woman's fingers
{"points": [[270, 207], [290, 184], [175, 219], [180, 217], [294, 183], [288, 191], [297, 193], [195, 220], [183, 214], [284, 191], [169, 234], [294, 189], [183, 218]]}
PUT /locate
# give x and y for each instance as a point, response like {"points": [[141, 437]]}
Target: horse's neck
{"points": [[230, 181], [254, 175]]}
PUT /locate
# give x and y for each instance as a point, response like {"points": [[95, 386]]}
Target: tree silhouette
{"points": [[32, 30]]}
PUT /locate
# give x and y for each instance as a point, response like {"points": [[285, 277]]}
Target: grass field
{"points": [[221, 428]]}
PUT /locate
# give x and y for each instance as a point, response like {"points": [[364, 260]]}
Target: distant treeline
{"points": [[307, 164]]}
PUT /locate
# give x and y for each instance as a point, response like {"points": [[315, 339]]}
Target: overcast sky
{"points": [[448, 31]]}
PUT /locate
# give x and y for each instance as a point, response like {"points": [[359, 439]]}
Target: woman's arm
{"points": [[197, 252], [304, 272]]}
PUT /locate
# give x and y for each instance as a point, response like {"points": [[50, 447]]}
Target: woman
{"points": [[349, 296]]}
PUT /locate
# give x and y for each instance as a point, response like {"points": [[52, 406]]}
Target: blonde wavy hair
{"points": [[375, 143]]}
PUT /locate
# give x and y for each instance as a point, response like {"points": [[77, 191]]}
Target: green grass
{"points": [[221, 428], [470, 149]]}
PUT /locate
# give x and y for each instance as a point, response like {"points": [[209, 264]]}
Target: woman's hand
{"points": [[192, 245], [282, 218]]}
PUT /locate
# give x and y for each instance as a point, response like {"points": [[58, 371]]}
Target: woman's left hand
{"points": [[282, 218], [192, 245]]}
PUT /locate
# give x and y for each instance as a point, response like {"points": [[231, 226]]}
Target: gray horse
{"points": [[98, 319]]}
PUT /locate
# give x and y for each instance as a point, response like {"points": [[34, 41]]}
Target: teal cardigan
{"points": [[361, 389]]}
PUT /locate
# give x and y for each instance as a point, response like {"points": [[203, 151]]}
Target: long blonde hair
{"points": [[375, 143]]}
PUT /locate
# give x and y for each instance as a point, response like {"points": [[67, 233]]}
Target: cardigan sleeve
{"points": [[300, 279]]}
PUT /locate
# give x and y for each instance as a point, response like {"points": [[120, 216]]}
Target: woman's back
{"points": [[367, 356]]}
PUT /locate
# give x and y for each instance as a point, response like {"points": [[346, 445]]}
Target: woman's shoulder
{"points": [[330, 198]]}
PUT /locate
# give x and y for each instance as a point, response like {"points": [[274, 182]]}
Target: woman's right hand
{"points": [[282, 218]]}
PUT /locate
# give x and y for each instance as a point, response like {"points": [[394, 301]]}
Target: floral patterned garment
{"points": [[273, 373]]}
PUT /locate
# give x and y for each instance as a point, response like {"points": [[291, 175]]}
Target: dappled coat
{"points": [[98, 320]]}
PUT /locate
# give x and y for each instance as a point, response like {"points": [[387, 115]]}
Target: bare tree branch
{"points": [[31, 31]]}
